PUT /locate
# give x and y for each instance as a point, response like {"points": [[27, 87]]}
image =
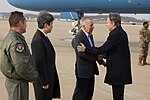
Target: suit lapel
{"points": [[46, 40], [86, 39], [49, 43]]}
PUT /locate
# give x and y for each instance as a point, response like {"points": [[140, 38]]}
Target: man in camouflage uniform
{"points": [[144, 36], [16, 63]]}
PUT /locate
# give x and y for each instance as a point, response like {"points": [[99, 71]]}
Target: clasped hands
{"points": [[81, 48], [45, 86]]}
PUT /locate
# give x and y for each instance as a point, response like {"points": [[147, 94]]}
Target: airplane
{"points": [[88, 6], [75, 9]]}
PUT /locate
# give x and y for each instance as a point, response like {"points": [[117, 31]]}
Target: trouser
{"points": [[84, 89], [143, 51], [118, 92], [17, 91]]}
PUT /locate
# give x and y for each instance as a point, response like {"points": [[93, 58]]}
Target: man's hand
{"points": [[104, 64], [45, 86], [81, 47], [100, 56]]}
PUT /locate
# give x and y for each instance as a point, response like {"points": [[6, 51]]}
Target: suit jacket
{"points": [[44, 59], [85, 66], [117, 56]]}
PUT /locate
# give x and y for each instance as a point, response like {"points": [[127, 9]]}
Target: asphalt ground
{"points": [[65, 59]]}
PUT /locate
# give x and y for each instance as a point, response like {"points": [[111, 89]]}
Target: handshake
{"points": [[101, 59]]}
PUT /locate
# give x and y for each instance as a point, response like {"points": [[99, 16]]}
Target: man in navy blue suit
{"points": [[85, 66], [46, 86], [117, 56]]}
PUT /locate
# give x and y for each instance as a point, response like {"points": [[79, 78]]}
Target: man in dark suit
{"points": [[85, 66], [117, 56], [47, 85]]}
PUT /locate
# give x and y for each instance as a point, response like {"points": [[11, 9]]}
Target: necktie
{"points": [[90, 41]]}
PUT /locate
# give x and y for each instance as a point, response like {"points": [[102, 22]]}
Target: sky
{"points": [[6, 7]]}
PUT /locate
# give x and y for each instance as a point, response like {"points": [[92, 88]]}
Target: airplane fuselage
{"points": [[85, 6]]}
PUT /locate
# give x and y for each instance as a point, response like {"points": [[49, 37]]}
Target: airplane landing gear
{"points": [[76, 24]]}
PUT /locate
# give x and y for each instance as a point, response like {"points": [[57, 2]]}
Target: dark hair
{"points": [[115, 17], [44, 17], [145, 23], [15, 17]]}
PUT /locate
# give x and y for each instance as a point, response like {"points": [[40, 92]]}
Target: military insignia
{"points": [[19, 47]]}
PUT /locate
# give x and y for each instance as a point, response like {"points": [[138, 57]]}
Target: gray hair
{"points": [[83, 20], [44, 17], [115, 17]]}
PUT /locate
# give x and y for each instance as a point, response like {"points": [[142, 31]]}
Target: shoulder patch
{"points": [[19, 47]]}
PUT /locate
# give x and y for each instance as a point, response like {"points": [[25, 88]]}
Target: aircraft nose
{"points": [[15, 3], [12, 2], [25, 4]]}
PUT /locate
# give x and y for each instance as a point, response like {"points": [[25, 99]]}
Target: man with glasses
{"points": [[117, 53]]}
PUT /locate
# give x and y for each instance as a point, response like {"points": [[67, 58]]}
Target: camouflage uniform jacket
{"points": [[16, 62], [144, 36]]}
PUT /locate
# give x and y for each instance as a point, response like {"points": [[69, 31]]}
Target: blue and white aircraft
{"points": [[76, 8]]}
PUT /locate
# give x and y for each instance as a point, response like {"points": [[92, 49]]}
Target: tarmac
{"points": [[65, 59]]}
